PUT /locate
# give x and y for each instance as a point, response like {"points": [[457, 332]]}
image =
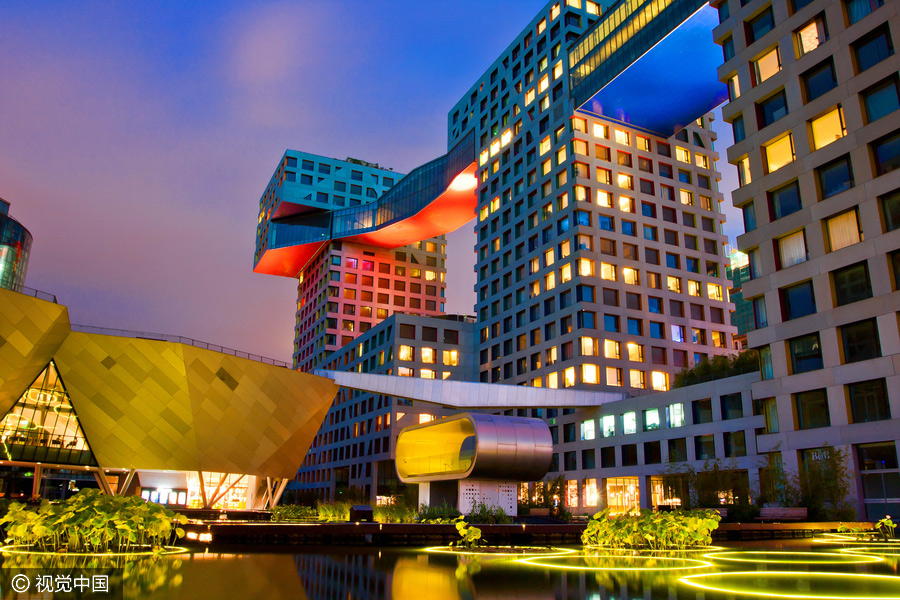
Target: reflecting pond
{"points": [[826, 568]]}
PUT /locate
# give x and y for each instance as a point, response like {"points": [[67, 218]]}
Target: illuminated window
{"points": [[553, 380], [683, 155], [734, 88], [425, 418], [554, 11], [557, 70], [550, 280], [565, 272], [608, 271], [714, 291], [407, 353], [495, 147], [601, 131], [626, 204], [591, 497], [843, 230], [810, 37], [588, 346], [483, 157], [694, 288], [611, 349], [643, 143], [743, 168], [674, 284], [561, 156], [406, 372], [541, 26], [675, 415], [428, 355], [604, 199], [651, 419], [629, 423], [779, 152], [608, 425], [636, 379], [430, 275], [585, 267], [543, 84], [426, 374], [660, 381], [604, 176], [614, 376], [625, 181], [767, 65], [545, 145], [451, 358], [635, 352], [548, 259], [623, 137], [631, 275], [495, 204], [792, 249], [590, 374], [686, 197], [569, 377], [529, 96], [702, 160], [828, 128]]}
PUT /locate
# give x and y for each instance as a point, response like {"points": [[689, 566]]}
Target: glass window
{"points": [[851, 284], [810, 36], [881, 99], [651, 419], [767, 65], [702, 411], [779, 153], [890, 206], [806, 353], [886, 152], [843, 230], [828, 128], [792, 250], [797, 301], [873, 48], [857, 9], [785, 200], [819, 79], [735, 444], [860, 341], [629, 422], [737, 127], [608, 425], [812, 409], [835, 177], [760, 25], [772, 109], [704, 447], [675, 415], [732, 406], [868, 401]]}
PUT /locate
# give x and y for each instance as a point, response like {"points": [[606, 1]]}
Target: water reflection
{"points": [[406, 574]]}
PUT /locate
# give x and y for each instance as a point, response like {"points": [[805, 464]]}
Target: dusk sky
{"points": [[136, 140]]}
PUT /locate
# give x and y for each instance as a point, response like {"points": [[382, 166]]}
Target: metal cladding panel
{"points": [[131, 397], [148, 404], [258, 418], [31, 331]]}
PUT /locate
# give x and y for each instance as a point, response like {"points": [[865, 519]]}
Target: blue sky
{"points": [[137, 139]]}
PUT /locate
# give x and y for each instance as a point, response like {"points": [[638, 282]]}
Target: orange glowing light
{"points": [[464, 182]]}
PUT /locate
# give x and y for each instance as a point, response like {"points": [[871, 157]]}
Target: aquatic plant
{"points": [[652, 530], [92, 522], [470, 537], [294, 512]]}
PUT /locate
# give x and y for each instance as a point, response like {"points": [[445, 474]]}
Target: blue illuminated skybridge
{"points": [[649, 63]]}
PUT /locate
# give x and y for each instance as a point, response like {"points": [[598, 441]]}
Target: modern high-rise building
{"points": [[738, 272], [320, 221], [600, 251], [15, 247], [814, 99]]}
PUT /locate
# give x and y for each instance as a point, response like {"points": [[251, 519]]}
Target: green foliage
{"points": [[93, 522], [654, 530], [707, 486], [470, 537], [294, 512], [718, 367], [395, 513], [442, 514], [886, 526], [485, 514], [334, 511], [823, 486]]}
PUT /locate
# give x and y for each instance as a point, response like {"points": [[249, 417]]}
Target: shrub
{"points": [[487, 514], [294, 512], [93, 522], [653, 530], [437, 514], [334, 511], [394, 513]]}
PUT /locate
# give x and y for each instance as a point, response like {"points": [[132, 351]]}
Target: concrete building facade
{"points": [[813, 102]]}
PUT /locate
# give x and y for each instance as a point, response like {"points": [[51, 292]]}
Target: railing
{"points": [[21, 289], [162, 337]]}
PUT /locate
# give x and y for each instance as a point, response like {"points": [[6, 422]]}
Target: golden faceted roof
{"points": [[150, 404]]}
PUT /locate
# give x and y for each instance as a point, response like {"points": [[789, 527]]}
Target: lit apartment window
{"points": [[608, 425], [426, 374], [675, 415], [601, 131], [585, 267], [543, 84], [612, 349], [673, 284], [569, 377], [631, 276], [608, 271], [743, 169], [406, 372], [588, 430], [701, 160], [629, 423], [734, 88], [686, 197], [682, 154], [694, 288], [714, 291], [407, 353], [767, 65], [623, 137], [635, 352], [843, 230], [659, 381], [553, 380], [636, 379], [545, 145], [590, 374], [614, 376], [428, 355], [779, 153], [828, 128], [451, 358], [677, 332], [792, 250], [810, 36]]}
